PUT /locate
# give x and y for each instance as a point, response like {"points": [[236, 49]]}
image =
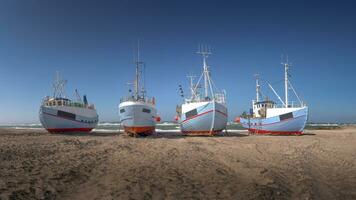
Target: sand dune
{"points": [[38, 165]]}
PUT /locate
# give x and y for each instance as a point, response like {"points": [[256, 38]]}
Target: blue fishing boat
{"points": [[203, 114], [137, 112], [59, 114], [266, 117]]}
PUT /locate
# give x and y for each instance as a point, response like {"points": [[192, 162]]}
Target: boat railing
{"points": [[291, 104], [218, 97], [194, 100], [271, 104], [64, 102], [148, 100]]}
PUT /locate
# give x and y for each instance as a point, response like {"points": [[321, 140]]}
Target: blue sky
{"points": [[92, 42]]}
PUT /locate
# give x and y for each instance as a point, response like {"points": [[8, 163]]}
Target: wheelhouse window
{"points": [[65, 114], [122, 110], [146, 110], [286, 116], [191, 113]]}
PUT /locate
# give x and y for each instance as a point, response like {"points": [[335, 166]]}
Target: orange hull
{"points": [[207, 133], [142, 131]]}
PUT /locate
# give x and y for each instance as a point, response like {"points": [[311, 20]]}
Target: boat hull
{"points": [[278, 125], [209, 118], [58, 119], [138, 118]]}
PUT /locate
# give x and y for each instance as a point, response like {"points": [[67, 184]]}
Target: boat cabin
{"points": [[48, 101], [147, 100], [260, 108]]}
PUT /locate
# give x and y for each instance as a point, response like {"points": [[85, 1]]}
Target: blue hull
{"points": [[135, 121], [209, 119], [53, 123], [294, 124]]}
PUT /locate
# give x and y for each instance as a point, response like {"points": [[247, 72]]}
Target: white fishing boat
{"points": [[269, 118], [203, 114], [137, 112], [60, 114]]}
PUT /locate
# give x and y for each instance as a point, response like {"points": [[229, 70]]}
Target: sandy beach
{"points": [[37, 165]]}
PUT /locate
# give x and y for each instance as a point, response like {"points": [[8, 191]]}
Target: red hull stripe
{"points": [[195, 116], [54, 130], [256, 131], [274, 122], [64, 118]]}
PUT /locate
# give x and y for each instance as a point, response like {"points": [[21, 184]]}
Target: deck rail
{"points": [[149, 100]]}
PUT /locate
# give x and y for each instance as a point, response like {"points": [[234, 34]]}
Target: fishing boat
{"points": [[203, 114], [60, 114], [137, 112], [266, 117]]}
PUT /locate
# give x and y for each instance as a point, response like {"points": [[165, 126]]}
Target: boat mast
{"points": [[138, 62], [59, 86], [257, 88], [192, 88], [205, 52], [286, 81], [79, 98], [206, 74]]}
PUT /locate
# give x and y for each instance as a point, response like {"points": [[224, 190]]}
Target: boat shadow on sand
{"points": [[91, 134], [175, 135], [167, 135], [170, 135]]}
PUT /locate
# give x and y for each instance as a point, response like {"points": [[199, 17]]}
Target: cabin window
{"points": [[146, 110], [122, 110], [285, 116], [191, 113], [65, 114]]}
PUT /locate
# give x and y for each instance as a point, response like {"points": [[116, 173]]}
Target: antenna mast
{"points": [[205, 52]]}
